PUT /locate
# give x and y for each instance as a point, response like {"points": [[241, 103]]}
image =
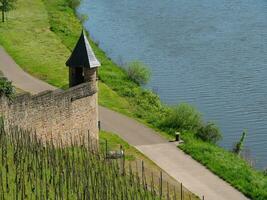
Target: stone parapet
{"points": [[61, 116]]}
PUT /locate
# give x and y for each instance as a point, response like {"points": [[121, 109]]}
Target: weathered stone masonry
{"points": [[57, 115], [61, 116]]}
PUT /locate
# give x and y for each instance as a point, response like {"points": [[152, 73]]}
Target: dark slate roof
{"points": [[83, 55]]}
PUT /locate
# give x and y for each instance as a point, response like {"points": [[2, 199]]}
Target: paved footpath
{"points": [[166, 155], [18, 77]]}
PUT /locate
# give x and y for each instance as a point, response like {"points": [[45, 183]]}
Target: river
{"points": [[212, 54]]}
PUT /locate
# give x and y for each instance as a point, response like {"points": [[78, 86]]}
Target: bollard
{"points": [[99, 125], [181, 191], [177, 136]]}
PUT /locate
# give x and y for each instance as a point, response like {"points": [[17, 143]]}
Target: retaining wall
{"points": [[58, 115]]}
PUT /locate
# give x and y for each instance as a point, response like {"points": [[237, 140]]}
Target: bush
{"points": [[6, 88], [239, 145], [138, 72], [74, 3], [209, 133], [183, 117]]}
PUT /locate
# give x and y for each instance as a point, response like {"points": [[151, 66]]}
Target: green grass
{"points": [[19, 91], [27, 37], [111, 99], [132, 154], [228, 166], [40, 35], [62, 21]]}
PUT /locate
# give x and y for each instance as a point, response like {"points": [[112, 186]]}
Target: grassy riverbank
{"points": [[40, 34]]}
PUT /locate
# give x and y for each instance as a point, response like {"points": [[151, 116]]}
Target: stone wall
{"points": [[58, 115]]}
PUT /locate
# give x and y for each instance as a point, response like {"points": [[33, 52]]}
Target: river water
{"points": [[212, 54]]}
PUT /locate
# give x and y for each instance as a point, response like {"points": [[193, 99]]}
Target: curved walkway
{"points": [[19, 78], [166, 155]]}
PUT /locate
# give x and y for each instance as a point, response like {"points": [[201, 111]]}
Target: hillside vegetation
{"points": [[52, 31], [31, 170], [147, 107]]}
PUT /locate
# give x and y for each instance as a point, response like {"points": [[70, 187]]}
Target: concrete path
{"points": [[166, 155], [19, 78]]}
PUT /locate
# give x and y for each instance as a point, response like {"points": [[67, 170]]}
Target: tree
{"points": [[138, 72], [239, 145], [5, 6]]}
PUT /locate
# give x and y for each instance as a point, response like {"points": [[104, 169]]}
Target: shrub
{"points": [[209, 133], [6, 88], [183, 117], [138, 72], [5, 6], [239, 145], [74, 3]]}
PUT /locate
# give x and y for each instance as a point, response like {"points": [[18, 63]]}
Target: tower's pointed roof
{"points": [[83, 55]]}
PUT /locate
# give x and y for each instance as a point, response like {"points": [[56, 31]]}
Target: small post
{"points": [[160, 187], [137, 174], [143, 173], [177, 136], [106, 148], [203, 198], [174, 191], [123, 160], [168, 192], [152, 184], [99, 125], [181, 191]]}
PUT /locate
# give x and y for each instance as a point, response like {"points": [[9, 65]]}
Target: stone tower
{"points": [[82, 63], [61, 116], [83, 66]]}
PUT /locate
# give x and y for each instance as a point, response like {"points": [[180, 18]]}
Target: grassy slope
{"points": [[111, 99], [138, 105], [47, 63], [109, 73], [229, 167], [50, 51], [26, 36]]}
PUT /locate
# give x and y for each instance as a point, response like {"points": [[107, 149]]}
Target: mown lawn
{"points": [[27, 37], [40, 35], [111, 99]]}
